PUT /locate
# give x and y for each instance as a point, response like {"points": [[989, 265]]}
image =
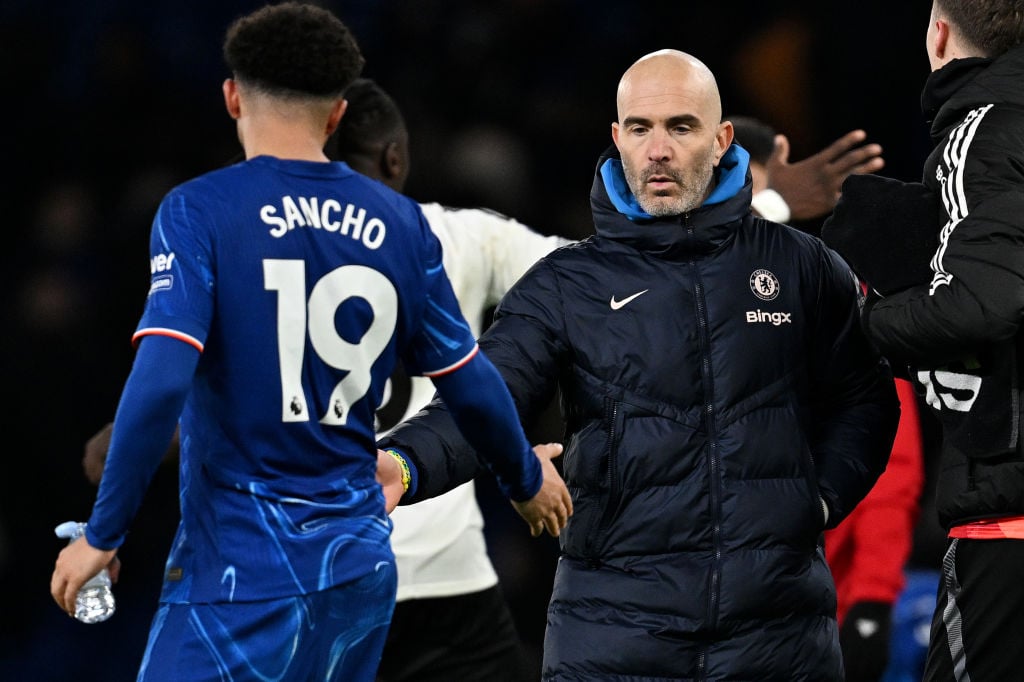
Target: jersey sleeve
{"points": [[152, 400], [443, 341], [181, 291]]}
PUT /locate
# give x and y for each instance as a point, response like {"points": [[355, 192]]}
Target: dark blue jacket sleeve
{"points": [[524, 346], [856, 408], [482, 409]]}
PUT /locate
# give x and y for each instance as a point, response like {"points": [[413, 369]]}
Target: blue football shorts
{"points": [[333, 635]]}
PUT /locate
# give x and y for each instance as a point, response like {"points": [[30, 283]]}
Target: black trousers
{"points": [[978, 628], [464, 638]]}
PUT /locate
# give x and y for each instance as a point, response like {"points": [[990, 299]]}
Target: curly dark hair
{"points": [[990, 26], [372, 120], [293, 48]]}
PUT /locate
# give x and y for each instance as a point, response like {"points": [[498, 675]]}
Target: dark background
{"points": [[109, 103]]}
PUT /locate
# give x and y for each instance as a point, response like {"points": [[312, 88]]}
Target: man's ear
{"points": [[334, 118], [392, 165], [723, 139], [231, 101], [941, 44]]}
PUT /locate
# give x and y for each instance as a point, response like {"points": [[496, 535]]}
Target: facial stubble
{"points": [[662, 203]]}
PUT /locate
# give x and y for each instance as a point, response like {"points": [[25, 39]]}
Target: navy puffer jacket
{"points": [[716, 388]]}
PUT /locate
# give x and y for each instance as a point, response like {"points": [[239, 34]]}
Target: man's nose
{"points": [[659, 145]]}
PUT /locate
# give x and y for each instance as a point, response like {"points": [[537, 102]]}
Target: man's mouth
{"points": [[660, 182], [656, 175]]}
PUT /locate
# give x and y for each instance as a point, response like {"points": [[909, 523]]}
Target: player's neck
{"points": [[284, 141]]}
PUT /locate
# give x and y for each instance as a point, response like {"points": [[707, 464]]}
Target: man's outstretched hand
{"points": [[812, 187], [548, 510], [551, 507]]}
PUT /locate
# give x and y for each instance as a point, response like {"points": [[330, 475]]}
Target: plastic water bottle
{"points": [[95, 602]]}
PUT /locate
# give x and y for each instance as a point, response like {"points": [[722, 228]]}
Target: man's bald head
{"points": [[668, 73], [669, 131]]}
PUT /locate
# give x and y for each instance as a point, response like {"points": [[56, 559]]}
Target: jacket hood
{"points": [[962, 84], [617, 214]]}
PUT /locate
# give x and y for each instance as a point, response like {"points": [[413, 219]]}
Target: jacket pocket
{"points": [[817, 513], [611, 485]]}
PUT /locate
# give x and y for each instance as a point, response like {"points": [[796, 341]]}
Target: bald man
{"points": [[722, 408]]}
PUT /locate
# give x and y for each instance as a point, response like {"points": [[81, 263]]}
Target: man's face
{"points": [[670, 139]]}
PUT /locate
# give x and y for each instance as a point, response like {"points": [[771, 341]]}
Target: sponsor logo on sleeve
{"points": [[161, 263], [161, 283]]}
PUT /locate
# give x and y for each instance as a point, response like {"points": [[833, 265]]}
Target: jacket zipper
{"points": [[714, 460]]}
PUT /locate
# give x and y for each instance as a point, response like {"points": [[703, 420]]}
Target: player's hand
{"points": [[389, 475], [812, 187], [95, 454], [551, 507], [76, 564]]}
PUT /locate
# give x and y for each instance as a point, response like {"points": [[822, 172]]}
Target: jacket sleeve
{"points": [[885, 230], [976, 296], [525, 346], [856, 409], [870, 548]]}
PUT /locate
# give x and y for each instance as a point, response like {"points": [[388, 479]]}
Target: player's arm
{"points": [[856, 409], [94, 454], [146, 417], [144, 425], [976, 296], [476, 410], [483, 423], [482, 407]]}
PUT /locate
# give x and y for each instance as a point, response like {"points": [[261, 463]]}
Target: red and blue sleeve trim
{"points": [[451, 368], [164, 331]]}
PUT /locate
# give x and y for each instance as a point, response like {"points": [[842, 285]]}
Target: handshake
{"points": [[548, 510]]}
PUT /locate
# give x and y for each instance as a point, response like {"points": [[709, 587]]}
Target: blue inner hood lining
{"points": [[731, 172]]}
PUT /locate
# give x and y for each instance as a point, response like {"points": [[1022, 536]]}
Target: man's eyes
{"points": [[676, 130]]}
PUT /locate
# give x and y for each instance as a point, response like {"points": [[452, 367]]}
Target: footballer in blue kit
{"points": [[299, 324], [284, 289]]}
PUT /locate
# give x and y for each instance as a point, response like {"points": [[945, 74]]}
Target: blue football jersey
{"points": [[302, 284]]}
